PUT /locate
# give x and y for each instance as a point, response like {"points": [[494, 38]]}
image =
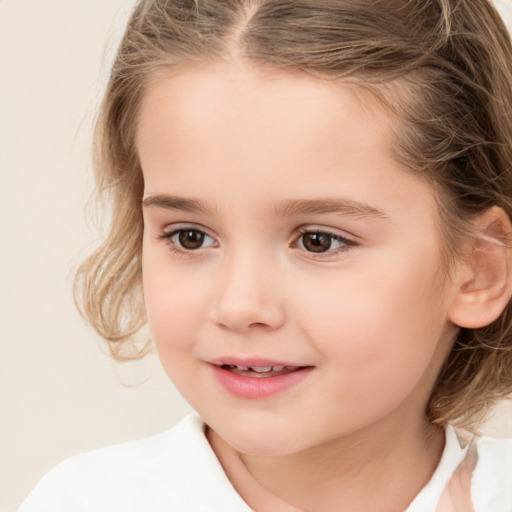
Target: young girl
{"points": [[311, 209]]}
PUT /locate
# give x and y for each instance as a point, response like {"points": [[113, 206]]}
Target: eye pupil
{"points": [[191, 239], [317, 242]]}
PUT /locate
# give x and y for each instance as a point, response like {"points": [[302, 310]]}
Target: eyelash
{"points": [[347, 243]]}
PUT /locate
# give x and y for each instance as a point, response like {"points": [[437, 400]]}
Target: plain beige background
{"points": [[59, 393]]}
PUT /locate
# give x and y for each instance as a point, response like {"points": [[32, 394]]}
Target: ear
{"points": [[484, 279]]}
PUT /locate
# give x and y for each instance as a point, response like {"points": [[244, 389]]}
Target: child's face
{"points": [[279, 231]]}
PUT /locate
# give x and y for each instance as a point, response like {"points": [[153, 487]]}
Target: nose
{"points": [[249, 295]]}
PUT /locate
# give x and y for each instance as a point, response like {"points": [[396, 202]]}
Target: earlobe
{"points": [[485, 274]]}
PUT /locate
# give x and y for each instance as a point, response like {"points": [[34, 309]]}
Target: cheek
{"points": [[383, 325], [174, 305]]}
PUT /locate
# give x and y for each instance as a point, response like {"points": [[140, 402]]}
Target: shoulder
{"points": [[491, 487], [174, 469]]}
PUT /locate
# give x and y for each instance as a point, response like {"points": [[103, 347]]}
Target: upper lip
{"points": [[253, 362]]}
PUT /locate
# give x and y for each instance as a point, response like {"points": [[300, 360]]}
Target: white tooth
{"points": [[278, 368], [243, 368], [261, 369]]}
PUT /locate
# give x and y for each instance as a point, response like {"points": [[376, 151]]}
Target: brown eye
{"points": [[323, 242], [317, 242], [184, 240], [190, 239]]}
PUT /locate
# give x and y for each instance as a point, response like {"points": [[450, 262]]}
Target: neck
{"points": [[379, 469]]}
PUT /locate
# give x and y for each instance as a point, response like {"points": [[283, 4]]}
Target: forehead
{"points": [[223, 132], [257, 106]]}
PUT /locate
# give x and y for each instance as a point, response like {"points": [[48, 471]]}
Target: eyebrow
{"points": [[287, 208], [176, 203], [347, 207]]}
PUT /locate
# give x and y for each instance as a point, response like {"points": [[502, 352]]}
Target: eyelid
{"points": [[179, 226], [334, 232]]}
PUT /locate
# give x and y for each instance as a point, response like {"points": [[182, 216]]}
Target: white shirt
{"points": [[177, 471]]}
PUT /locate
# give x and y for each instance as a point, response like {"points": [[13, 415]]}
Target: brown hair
{"points": [[443, 66]]}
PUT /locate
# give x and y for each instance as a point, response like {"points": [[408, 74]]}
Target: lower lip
{"points": [[258, 387]]}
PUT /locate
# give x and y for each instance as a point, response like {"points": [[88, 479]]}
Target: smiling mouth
{"points": [[260, 371], [257, 379]]}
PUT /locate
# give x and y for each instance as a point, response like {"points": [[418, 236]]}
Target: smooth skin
{"points": [[279, 226]]}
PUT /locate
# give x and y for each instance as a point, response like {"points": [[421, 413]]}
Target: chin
{"points": [[262, 443]]}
